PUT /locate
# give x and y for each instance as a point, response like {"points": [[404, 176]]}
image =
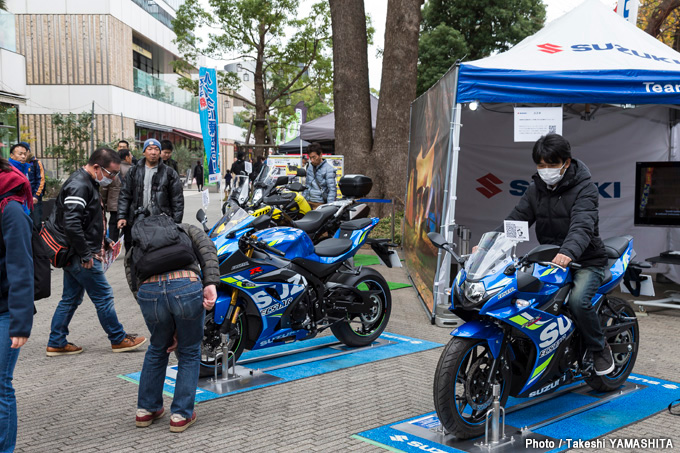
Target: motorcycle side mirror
{"points": [[200, 215], [544, 252], [281, 181], [301, 172], [440, 242], [437, 239], [261, 222]]}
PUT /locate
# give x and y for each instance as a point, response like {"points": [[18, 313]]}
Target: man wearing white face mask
{"points": [[78, 216], [562, 201]]}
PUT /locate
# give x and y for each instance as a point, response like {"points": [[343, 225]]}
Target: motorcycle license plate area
{"points": [[290, 362], [555, 423]]}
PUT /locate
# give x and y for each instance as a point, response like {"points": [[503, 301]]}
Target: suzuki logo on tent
{"points": [[489, 184], [549, 48]]}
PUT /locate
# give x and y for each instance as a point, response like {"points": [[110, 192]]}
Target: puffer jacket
{"points": [[78, 215], [321, 187], [207, 265], [566, 216], [166, 193], [36, 176]]}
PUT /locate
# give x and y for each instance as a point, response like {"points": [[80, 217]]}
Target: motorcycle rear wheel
{"points": [[623, 362], [461, 396], [362, 329], [237, 344]]}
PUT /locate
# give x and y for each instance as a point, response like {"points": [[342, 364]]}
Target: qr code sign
{"points": [[516, 230], [552, 129]]}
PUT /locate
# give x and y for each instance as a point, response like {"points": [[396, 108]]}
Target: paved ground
{"points": [[76, 403]]}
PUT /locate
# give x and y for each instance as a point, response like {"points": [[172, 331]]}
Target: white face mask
{"points": [[551, 176], [104, 181]]}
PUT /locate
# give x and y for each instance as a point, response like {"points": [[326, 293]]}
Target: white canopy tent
{"points": [[619, 88]]}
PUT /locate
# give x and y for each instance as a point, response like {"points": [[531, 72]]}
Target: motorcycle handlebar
{"points": [[269, 248]]}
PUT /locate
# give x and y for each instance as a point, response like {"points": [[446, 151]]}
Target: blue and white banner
{"points": [[207, 93]]}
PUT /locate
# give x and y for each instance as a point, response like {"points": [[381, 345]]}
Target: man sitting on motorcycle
{"points": [[563, 202]]}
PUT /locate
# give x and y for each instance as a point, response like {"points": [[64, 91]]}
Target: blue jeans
{"points": [[586, 283], [8, 402], [169, 307], [77, 280]]}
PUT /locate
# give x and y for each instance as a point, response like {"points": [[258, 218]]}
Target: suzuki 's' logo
{"points": [[549, 48], [489, 185], [399, 438]]}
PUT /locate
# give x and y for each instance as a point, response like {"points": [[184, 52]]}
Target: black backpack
{"points": [[159, 246], [41, 262]]}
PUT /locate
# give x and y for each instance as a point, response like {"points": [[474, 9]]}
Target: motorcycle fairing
{"points": [[617, 269], [550, 274], [291, 241], [483, 330]]}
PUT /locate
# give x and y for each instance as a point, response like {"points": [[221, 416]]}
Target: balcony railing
{"points": [[155, 88]]}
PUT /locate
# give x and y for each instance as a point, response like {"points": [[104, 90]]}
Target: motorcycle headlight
{"points": [[476, 293]]}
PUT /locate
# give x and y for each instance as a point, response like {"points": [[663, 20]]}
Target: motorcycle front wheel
{"points": [[361, 329], [461, 394], [211, 342]]}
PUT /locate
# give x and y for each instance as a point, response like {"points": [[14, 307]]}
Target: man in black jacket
{"points": [[563, 202], [150, 188], [166, 154], [79, 216]]}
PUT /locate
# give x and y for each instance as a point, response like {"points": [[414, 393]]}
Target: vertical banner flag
{"points": [[628, 9], [207, 94]]}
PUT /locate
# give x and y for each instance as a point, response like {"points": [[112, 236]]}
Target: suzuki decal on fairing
{"points": [[553, 331]]}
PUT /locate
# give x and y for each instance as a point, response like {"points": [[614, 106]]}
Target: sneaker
{"points": [[130, 342], [604, 360], [145, 418], [179, 423], [69, 349]]}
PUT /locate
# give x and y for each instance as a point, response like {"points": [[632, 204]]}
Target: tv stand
{"points": [[673, 299]]}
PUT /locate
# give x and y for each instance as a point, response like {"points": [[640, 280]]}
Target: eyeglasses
{"points": [[111, 175]]}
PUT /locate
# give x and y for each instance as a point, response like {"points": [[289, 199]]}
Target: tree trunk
{"points": [[659, 15], [260, 101], [389, 155], [353, 134]]}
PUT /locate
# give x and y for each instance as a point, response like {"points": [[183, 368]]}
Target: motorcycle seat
{"points": [[353, 225], [607, 276], [333, 247], [615, 246], [313, 220]]}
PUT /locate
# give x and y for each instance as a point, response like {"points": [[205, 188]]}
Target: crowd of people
{"points": [[114, 195]]}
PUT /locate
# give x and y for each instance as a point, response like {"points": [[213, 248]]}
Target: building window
{"points": [[8, 34], [9, 128], [246, 77]]}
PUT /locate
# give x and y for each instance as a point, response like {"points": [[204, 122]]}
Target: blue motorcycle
{"points": [[519, 332], [278, 287]]}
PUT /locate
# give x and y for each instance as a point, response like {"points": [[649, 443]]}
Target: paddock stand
{"points": [[495, 415]]}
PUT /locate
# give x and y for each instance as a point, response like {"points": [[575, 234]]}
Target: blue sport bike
{"points": [[278, 287], [518, 330]]}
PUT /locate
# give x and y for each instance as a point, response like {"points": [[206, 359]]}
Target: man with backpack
{"points": [[78, 217], [175, 270], [16, 296]]}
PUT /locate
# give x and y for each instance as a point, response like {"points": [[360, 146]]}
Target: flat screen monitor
{"points": [[657, 194]]}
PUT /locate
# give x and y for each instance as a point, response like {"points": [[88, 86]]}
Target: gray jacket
{"points": [[320, 181]]}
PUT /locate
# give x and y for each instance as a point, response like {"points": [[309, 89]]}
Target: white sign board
{"points": [[516, 230], [248, 167], [206, 198], [531, 123]]}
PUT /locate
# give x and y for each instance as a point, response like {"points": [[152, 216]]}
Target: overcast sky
{"points": [[377, 9]]}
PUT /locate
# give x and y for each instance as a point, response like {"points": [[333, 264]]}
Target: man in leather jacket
{"points": [[79, 217], [150, 188]]}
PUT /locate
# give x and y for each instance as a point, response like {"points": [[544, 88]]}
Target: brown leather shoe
{"points": [[130, 342], [69, 349]]}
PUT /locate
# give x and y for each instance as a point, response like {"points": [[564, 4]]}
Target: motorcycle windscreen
{"points": [[494, 253], [232, 217]]}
